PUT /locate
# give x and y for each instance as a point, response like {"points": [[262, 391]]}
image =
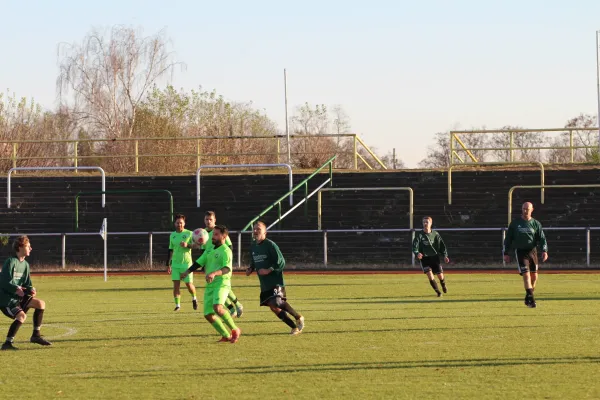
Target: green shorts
{"points": [[177, 270], [214, 295]]}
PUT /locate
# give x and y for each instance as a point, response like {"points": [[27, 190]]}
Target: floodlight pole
{"points": [[598, 81]]}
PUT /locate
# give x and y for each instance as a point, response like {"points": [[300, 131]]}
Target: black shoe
{"points": [[176, 308], [195, 304], [439, 294], [444, 289], [527, 300], [8, 346], [532, 304], [40, 340]]}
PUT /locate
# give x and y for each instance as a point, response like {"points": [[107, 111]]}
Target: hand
{"points": [[183, 244], [210, 277], [32, 291], [420, 256], [446, 260], [506, 259], [264, 272], [249, 271], [183, 275], [544, 256], [19, 292], [169, 270]]}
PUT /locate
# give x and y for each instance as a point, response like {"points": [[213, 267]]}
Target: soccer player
{"points": [[218, 264], [180, 258], [524, 235], [267, 260], [17, 295], [210, 220], [428, 246]]}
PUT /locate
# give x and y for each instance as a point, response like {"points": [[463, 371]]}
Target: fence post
{"points": [[588, 241], [412, 238], [355, 154], [75, 161], [64, 249], [150, 248], [325, 248], [136, 157], [571, 146], [451, 148], [512, 144], [14, 156], [503, 238]]}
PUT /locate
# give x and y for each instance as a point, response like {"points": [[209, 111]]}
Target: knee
{"points": [[275, 310], [218, 308], [210, 318], [41, 305], [21, 317]]}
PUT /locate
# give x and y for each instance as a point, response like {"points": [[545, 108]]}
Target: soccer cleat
{"points": [[177, 308], [240, 309], [8, 346], [444, 289], [224, 340], [295, 331], [299, 324], [235, 335], [195, 304], [40, 340], [439, 294], [532, 303]]}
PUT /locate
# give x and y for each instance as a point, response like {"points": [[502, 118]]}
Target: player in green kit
{"points": [[210, 220], [17, 295], [218, 265], [180, 258], [267, 260], [428, 247]]}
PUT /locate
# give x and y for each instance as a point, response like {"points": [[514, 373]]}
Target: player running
{"points": [[210, 219], [218, 265], [267, 260], [17, 295], [428, 246], [523, 236], [180, 258]]}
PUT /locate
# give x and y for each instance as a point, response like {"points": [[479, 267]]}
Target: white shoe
{"points": [[300, 323], [295, 331]]}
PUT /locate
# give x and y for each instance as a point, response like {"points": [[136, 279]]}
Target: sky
{"points": [[401, 70]]}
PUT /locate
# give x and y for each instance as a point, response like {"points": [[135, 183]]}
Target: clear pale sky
{"points": [[402, 70]]}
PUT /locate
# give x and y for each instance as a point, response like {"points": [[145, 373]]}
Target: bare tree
{"points": [[438, 154], [522, 143], [106, 77]]}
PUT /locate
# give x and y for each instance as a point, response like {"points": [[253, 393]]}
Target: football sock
{"points": [[177, 301], [219, 327], [434, 285], [529, 292], [12, 331], [193, 293], [38, 316], [288, 321], [288, 308], [229, 305], [232, 297], [228, 321]]}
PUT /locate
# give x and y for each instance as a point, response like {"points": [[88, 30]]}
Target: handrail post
{"points": [[319, 215], [588, 246], [63, 237], [14, 156], [450, 184], [451, 148], [305, 199], [355, 154], [412, 238], [75, 161], [279, 214], [150, 248], [512, 144], [77, 213], [198, 155], [330, 174], [502, 246], [136, 157], [325, 248], [278, 147], [572, 150]]}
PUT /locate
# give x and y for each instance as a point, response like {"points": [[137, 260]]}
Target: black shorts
{"points": [[527, 260], [431, 264], [274, 297], [11, 312]]}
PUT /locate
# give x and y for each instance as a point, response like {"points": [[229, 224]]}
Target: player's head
{"points": [[220, 233], [427, 222], [260, 231], [210, 220], [526, 210], [22, 246], [179, 222]]}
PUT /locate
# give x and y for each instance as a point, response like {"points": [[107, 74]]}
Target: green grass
{"points": [[366, 336]]}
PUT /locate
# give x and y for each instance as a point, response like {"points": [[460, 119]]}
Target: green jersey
{"points": [[214, 260], [14, 273], [209, 244], [266, 255], [181, 255], [429, 244], [525, 235]]}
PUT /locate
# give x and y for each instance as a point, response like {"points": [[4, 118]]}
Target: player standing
{"points": [[524, 235], [267, 260], [217, 264], [428, 246], [180, 258], [17, 295], [232, 303]]}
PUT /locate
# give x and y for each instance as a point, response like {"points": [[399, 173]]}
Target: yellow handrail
{"points": [[370, 152]]}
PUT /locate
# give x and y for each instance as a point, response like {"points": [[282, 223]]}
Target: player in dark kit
{"points": [[523, 236], [267, 260], [428, 246], [17, 295]]}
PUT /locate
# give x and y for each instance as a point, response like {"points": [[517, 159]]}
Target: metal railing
{"points": [[538, 163], [72, 149], [287, 166], [457, 145], [122, 192], [323, 232]]}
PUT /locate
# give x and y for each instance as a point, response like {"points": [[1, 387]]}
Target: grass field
{"points": [[366, 336]]}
